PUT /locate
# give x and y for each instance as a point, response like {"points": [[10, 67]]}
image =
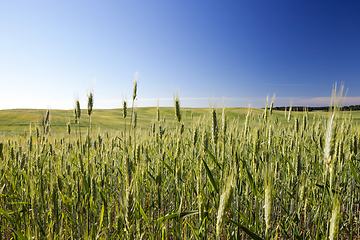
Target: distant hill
{"points": [[105, 120], [15, 121]]}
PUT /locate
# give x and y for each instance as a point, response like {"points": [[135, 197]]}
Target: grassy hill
{"points": [[17, 121]]}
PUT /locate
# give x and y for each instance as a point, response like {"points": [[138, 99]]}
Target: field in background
{"points": [[17, 121], [200, 174]]}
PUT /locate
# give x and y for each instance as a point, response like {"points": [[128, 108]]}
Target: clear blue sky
{"points": [[52, 52]]}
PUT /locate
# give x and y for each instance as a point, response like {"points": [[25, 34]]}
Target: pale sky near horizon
{"points": [[238, 52]]}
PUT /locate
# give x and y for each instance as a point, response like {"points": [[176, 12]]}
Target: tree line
{"points": [[323, 108]]}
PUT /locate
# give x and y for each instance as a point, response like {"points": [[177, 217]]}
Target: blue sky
{"points": [[239, 52]]}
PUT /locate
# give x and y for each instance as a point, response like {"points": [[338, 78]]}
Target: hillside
{"points": [[107, 120]]}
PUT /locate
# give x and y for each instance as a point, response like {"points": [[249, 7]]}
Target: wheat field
{"points": [[263, 175]]}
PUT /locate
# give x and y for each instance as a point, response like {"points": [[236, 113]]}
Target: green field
{"points": [[17, 121], [231, 173]]}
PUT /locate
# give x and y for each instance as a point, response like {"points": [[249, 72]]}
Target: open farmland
{"points": [[17, 121], [232, 173], [149, 120]]}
